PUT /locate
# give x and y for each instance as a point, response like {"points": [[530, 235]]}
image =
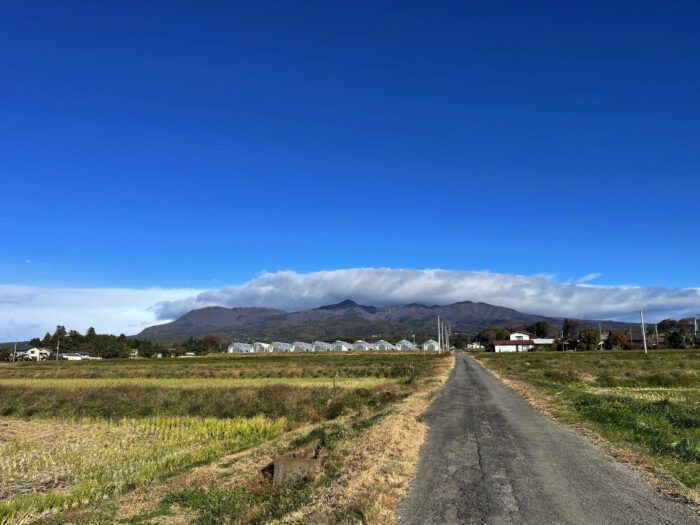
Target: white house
{"points": [[474, 345], [260, 347], [300, 346], [384, 345], [341, 346], [431, 346], [277, 346], [514, 345], [321, 346], [519, 336], [38, 354], [239, 348], [405, 345], [362, 345]]}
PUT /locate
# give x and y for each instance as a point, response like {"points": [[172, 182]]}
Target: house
{"points": [[519, 336], [280, 347], [405, 345], [38, 354], [514, 345], [383, 345], [260, 347], [341, 346], [321, 346], [431, 346], [299, 346], [239, 348], [134, 354], [474, 345], [544, 341], [362, 345]]}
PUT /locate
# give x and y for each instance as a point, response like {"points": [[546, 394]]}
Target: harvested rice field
{"points": [[102, 442]]}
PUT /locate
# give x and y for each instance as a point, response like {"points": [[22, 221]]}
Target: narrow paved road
{"points": [[491, 458]]}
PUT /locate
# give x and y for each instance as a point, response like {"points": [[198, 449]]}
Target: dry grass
{"points": [[380, 465]]}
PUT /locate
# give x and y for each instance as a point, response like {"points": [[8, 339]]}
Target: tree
{"points": [[667, 325], [35, 341], [620, 340], [491, 334], [569, 328], [675, 340], [538, 329], [589, 339], [46, 342]]}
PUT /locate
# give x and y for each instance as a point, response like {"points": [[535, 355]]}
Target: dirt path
{"points": [[491, 458]]}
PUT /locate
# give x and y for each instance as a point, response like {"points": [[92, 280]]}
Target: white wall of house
{"points": [[519, 336], [512, 347]]}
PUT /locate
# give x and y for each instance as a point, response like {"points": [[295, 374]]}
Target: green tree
{"points": [[538, 329], [589, 339], [569, 328], [494, 333], [675, 340]]}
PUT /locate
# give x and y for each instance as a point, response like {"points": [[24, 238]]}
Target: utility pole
{"points": [[14, 352], [644, 334], [439, 335], [600, 335], [58, 349]]}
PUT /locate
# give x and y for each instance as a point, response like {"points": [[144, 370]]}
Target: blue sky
{"points": [[193, 145]]}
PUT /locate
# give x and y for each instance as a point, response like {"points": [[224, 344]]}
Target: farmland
{"points": [[77, 438], [648, 406]]}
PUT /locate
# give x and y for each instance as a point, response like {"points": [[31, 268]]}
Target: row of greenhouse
{"points": [[322, 346]]}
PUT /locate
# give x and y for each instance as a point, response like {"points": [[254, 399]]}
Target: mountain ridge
{"points": [[346, 319]]}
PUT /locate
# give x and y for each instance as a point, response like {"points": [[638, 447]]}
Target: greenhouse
{"points": [[239, 348], [321, 346], [277, 346], [260, 347], [362, 345], [341, 346], [299, 346], [405, 345], [431, 346], [384, 345]]}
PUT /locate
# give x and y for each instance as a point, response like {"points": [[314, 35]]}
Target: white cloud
{"points": [[588, 278], [386, 286], [28, 311]]}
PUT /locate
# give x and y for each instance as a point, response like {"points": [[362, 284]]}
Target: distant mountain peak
{"points": [[347, 303]]}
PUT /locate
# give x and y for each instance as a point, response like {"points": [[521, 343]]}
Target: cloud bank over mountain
{"points": [[27, 311], [539, 294]]}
